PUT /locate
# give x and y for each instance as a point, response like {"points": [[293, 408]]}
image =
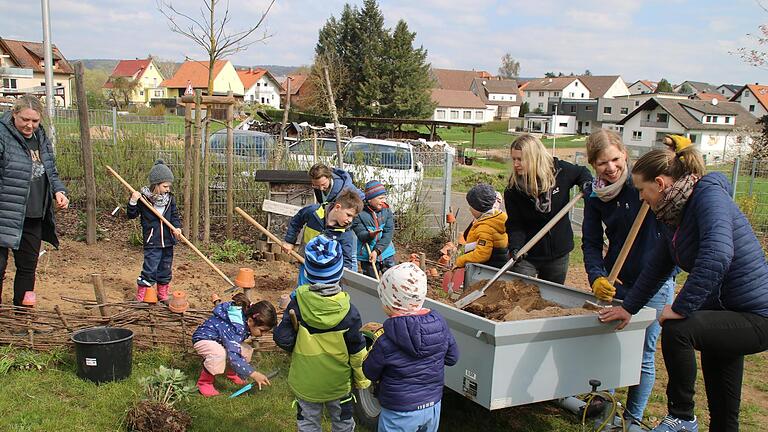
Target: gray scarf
{"points": [[608, 191], [158, 200]]}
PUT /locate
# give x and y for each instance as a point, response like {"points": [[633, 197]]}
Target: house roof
{"points": [[297, 81], [557, 83], [709, 96], [194, 72], [650, 84], [128, 69], [454, 79], [28, 55], [456, 99], [760, 92], [249, 77], [679, 110], [732, 87], [497, 86], [700, 87], [598, 85]]}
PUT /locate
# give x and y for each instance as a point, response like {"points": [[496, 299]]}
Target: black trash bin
{"points": [[103, 354]]}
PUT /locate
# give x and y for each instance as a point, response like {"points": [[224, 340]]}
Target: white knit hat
{"points": [[403, 287]]}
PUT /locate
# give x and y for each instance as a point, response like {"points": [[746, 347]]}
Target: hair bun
{"points": [[159, 162]]}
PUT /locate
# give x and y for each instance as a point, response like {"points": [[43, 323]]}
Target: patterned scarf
{"points": [[158, 200], [608, 191], [670, 209]]}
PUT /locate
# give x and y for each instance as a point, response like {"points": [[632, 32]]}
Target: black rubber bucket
{"points": [[103, 354]]}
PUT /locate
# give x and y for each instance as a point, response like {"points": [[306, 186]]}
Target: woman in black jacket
{"points": [[29, 189], [539, 187]]}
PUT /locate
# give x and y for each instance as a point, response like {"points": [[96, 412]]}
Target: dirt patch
{"points": [[149, 416], [516, 301]]}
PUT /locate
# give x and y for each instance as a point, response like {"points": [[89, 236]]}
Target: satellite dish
{"points": [[714, 101], [485, 82]]}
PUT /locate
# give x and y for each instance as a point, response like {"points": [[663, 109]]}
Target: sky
{"points": [[637, 39]]}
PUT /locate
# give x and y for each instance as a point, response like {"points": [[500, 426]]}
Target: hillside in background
{"points": [[109, 64]]}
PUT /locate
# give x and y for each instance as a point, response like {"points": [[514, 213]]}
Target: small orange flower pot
{"points": [[450, 218], [179, 302], [151, 295], [433, 272], [444, 260], [283, 302], [215, 299], [245, 278]]}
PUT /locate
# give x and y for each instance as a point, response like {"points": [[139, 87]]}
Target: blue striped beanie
{"points": [[373, 189], [324, 262]]}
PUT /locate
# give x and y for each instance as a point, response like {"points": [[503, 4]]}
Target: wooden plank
{"points": [[280, 208]]}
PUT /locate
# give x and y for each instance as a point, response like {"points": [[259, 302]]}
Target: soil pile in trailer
{"points": [[515, 301]]}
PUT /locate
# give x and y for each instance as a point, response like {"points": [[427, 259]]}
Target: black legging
{"points": [[25, 259], [724, 338]]}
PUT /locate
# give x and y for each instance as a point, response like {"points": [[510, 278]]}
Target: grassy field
{"points": [[494, 135]]}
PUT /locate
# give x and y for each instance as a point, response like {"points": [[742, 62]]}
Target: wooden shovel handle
{"points": [[373, 263], [627, 246], [266, 232]]}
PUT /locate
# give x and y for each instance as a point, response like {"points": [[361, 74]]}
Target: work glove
{"points": [[362, 384], [603, 289]]}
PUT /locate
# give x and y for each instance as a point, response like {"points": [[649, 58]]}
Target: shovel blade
{"points": [[242, 390], [469, 299]]}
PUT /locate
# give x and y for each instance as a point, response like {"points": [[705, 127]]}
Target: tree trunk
{"points": [[207, 177], [87, 157], [198, 143], [280, 150], [188, 159], [335, 116], [230, 166]]}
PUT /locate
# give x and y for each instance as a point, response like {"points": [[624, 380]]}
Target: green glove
{"points": [[362, 384], [603, 289]]}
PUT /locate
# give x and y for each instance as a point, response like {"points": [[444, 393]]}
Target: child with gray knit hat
{"points": [[486, 238], [158, 238]]}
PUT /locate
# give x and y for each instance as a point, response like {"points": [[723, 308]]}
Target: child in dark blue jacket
{"points": [[408, 361], [219, 340], [158, 238], [374, 228]]}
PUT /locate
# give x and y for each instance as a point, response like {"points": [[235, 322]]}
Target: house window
{"points": [[454, 114], [588, 108], [467, 115], [478, 115], [661, 117], [573, 108], [541, 105], [708, 119], [693, 138], [751, 108], [727, 119], [637, 135], [493, 97], [714, 119], [746, 93], [141, 93], [258, 84], [570, 94], [637, 103], [607, 110], [554, 108], [10, 83], [582, 95], [586, 124], [563, 124], [556, 93], [541, 94], [624, 111], [158, 93], [440, 114], [262, 100], [528, 94]]}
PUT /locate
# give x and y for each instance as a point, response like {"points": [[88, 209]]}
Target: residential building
{"points": [[708, 97], [22, 71], [643, 86], [718, 129], [501, 96], [537, 92], [641, 98], [147, 76], [591, 114], [754, 98], [605, 86], [696, 87], [301, 90], [194, 74], [460, 106], [261, 87], [729, 90], [454, 79]]}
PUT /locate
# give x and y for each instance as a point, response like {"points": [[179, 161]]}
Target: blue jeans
{"points": [[423, 420], [637, 396], [157, 266]]}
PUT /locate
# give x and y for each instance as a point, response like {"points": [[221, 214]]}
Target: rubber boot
{"points": [[141, 290], [205, 383], [162, 292], [232, 376]]}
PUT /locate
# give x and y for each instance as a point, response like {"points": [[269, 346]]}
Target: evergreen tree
{"points": [[664, 86], [371, 37]]}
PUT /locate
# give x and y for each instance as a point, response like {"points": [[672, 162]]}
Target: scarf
{"points": [[607, 191], [158, 200], [542, 201], [670, 209]]}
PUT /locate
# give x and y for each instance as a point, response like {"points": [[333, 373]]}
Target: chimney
{"points": [[250, 70]]}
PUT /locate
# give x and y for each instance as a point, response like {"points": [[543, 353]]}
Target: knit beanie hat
{"points": [[373, 189], [324, 262], [403, 287], [481, 197], [160, 173]]}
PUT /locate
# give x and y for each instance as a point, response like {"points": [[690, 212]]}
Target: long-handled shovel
{"points": [[169, 225], [473, 296], [373, 263], [627, 246], [266, 232]]}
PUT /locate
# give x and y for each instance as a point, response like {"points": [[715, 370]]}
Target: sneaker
{"points": [[674, 424]]}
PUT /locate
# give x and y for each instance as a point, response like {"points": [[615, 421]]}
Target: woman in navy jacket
{"points": [[722, 310], [613, 202]]}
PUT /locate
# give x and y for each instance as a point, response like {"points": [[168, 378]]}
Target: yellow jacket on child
{"points": [[486, 240]]}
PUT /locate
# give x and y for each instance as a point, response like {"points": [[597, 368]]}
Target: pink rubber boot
{"points": [[141, 290], [205, 383], [162, 292], [232, 376]]}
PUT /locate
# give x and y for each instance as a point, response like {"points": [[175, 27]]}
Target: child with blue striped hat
{"points": [[327, 348], [375, 228]]}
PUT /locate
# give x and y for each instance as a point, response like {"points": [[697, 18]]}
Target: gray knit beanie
{"points": [[160, 173], [481, 197]]}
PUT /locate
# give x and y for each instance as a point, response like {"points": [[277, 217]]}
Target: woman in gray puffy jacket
{"points": [[29, 188]]}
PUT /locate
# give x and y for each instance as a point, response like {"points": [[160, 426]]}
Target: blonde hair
{"points": [[600, 140], [28, 102], [538, 163]]}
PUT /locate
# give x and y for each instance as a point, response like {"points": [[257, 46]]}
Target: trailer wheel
{"points": [[367, 408]]}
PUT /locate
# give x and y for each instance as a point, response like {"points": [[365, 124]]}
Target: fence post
{"points": [[86, 156], [189, 154], [114, 126], [447, 181], [230, 165], [752, 176], [735, 176], [197, 143]]}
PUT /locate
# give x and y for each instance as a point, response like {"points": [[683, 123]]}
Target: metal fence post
{"points": [[752, 176], [735, 176], [114, 126], [447, 181]]}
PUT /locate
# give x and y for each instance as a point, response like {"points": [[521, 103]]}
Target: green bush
{"points": [[231, 251]]}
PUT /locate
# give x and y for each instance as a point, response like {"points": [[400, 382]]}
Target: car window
{"points": [[390, 157], [247, 145], [301, 147]]}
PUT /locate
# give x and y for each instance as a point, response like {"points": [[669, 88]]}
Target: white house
{"points": [[502, 96], [460, 106], [605, 86], [261, 87], [729, 90], [537, 92], [718, 129], [643, 86], [22, 71], [754, 99], [550, 124]]}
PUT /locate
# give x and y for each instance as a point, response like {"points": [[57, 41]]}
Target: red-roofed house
{"points": [[754, 98], [708, 97], [460, 106], [261, 87], [301, 90], [643, 87], [195, 73], [22, 71], [145, 72]]}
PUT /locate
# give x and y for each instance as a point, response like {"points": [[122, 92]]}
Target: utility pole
{"points": [[554, 133], [48, 64]]}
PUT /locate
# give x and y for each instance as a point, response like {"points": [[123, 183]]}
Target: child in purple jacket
{"points": [[408, 360]]}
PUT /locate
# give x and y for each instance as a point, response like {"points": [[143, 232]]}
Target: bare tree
{"points": [[122, 91], [757, 56], [510, 68], [167, 68], [211, 33]]}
